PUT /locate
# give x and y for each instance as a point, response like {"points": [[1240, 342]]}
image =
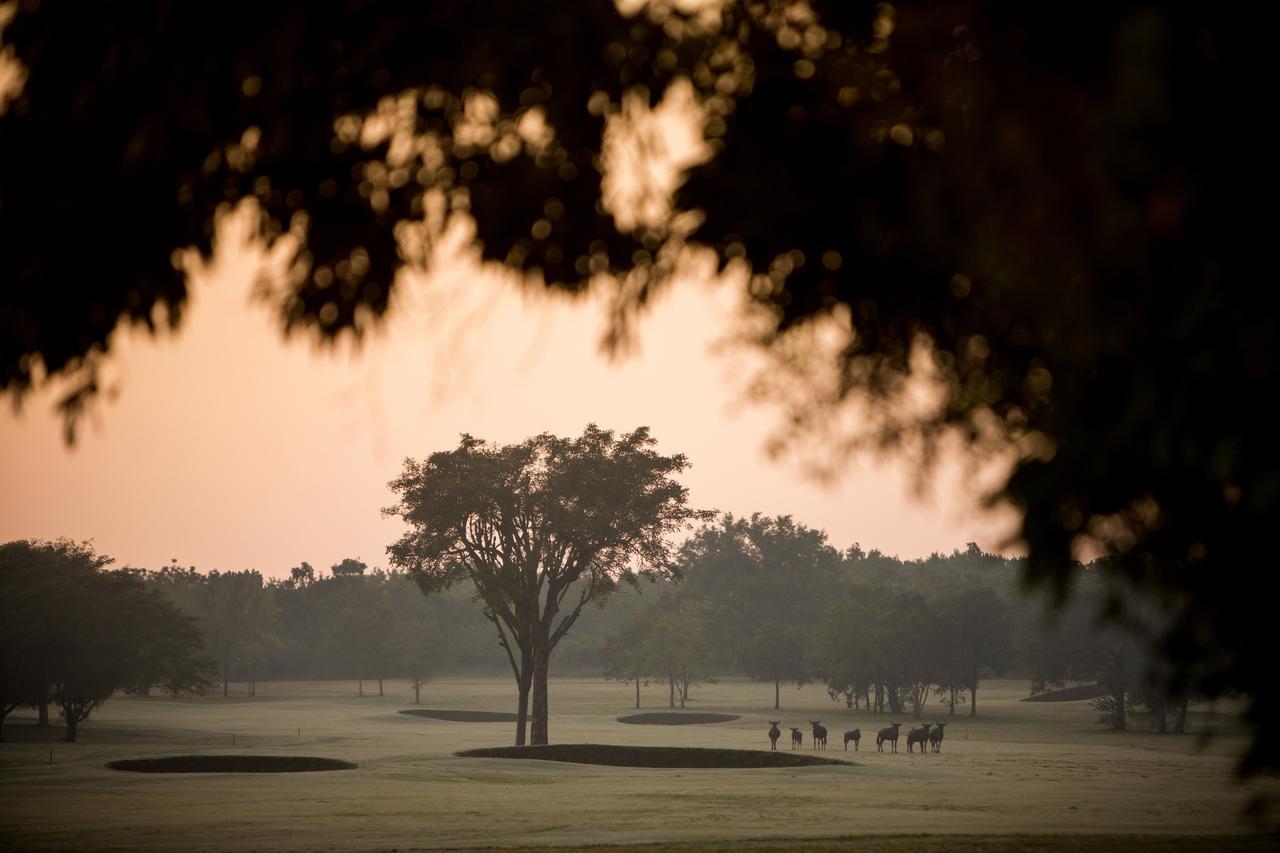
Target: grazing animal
{"points": [[920, 736], [889, 734], [774, 734], [855, 736], [797, 739], [935, 736], [819, 734]]}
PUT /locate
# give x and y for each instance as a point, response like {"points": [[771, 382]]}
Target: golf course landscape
{"points": [[1037, 776]]}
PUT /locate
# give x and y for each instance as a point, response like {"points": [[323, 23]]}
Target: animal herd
{"points": [[928, 736]]}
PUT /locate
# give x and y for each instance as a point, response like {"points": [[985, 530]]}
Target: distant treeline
{"points": [[764, 597]]}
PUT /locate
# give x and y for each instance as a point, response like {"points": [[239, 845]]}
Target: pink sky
{"points": [[229, 447]]}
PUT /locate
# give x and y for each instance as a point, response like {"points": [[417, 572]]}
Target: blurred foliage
{"points": [[1045, 200]]}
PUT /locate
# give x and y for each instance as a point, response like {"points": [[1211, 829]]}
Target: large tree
{"points": [[1034, 204], [541, 529]]}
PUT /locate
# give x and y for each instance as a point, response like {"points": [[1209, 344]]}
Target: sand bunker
{"points": [[230, 764], [463, 716], [651, 756], [1070, 694], [674, 718]]}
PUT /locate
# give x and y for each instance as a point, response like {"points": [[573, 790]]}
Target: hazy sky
{"points": [[229, 447]]}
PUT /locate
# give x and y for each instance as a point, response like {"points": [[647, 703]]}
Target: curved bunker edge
{"points": [[681, 757], [451, 716], [676, 718], [230, 764]]}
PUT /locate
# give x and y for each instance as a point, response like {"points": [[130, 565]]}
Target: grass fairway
{"points": [[1022, 776]]}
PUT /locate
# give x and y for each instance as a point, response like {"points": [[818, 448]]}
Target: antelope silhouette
{"points": [[889, 734], [797, 739], [920, 736], [819, 734], [935, 736], [774, 734], [855, 736]]}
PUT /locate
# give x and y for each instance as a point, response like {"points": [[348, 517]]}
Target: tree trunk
{"points": [[71, 728], [637, 692], [522, 702], [43, 711], [1158, 710], [973, 699], [379, 685], [226, 675], [540, 711], [360, 686], [1180, 726], [953, 702], [777, 695], [417, 692], [671, 690], [894, 698]]}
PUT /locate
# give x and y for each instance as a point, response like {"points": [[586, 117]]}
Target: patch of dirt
{"points": [[230, 764], [651, 756], [463, 716]]}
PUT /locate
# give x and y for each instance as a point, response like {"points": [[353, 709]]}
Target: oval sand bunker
{"points": [[463, 716], [230, 764], [651, 756], [674, 718]]}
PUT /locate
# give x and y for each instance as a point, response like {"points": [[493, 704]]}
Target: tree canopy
{"points": [[540, 529], [1034, 204]]}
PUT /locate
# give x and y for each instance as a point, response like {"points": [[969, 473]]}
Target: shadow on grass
{"points": [[676, 718], [463, 716], [230, 764], [1070, 694], [652, 756]]}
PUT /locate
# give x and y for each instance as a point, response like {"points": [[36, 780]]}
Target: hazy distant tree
{"points": [[764, 579], [349, 567], [79, 632], [628, 653], [676, 642], [842, 655], [973, 632], [775, 652], [172, 656], [235, 613], [529, 524], [1075, 645], [301, 576]]}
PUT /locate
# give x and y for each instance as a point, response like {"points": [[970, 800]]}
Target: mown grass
{"points": [[1073, 843], [653, 756], [676, 718], [1019, 776]]}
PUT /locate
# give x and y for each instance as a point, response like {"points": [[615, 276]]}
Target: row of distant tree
{"points": [[764, 597], [73, 633], [771, 599]]}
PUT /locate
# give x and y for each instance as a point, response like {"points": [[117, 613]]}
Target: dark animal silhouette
{"points": [[819, 734], [797, 739], [889, 734], [935, 736], [855, 736], [920, 736], [774, 734]]}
